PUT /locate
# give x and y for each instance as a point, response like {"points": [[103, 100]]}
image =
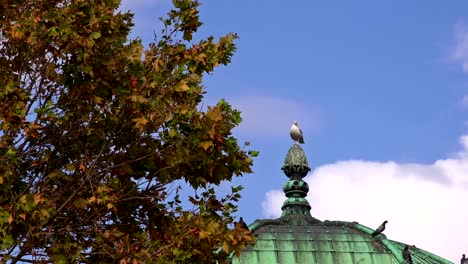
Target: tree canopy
{"points": [[96, 130]]}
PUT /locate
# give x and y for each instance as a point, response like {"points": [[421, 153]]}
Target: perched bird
{"points": [[407, 255], [296, 133], [464, 260], [242, 223], [379, 229]]}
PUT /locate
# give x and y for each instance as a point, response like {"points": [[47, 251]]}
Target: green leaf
{"points": [[59, 259], [187, 36], [254, 153], [11, 152], [172, 133], [236, 164], [95, 35], [7, 241]]}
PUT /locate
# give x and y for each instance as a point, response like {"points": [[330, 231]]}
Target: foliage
{"points": [[95, 131]]}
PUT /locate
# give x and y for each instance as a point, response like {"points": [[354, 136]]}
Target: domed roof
{"points": [[297, 237], [325, 242]]}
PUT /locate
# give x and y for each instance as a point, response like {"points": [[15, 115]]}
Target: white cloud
{"points": [[425, 204], [272, 204], [273, 116], [459, 51]]}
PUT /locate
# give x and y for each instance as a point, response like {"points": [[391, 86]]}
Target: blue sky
{"points": [[378, 87]]}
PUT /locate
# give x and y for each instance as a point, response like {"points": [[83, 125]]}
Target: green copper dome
{"points": [[332, 242], [297, 237]]}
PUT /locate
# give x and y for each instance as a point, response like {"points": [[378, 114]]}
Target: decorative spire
{"points": [[295, 164], [296, 209]]}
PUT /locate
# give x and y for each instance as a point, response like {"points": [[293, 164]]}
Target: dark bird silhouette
{"points": [[463, 260], [407, 255], [379, 229], [242, 223]]}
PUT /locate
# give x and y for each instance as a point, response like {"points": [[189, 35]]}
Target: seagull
{"points": [[407, 255], [242, 223], [379, 229], [296, 133]]}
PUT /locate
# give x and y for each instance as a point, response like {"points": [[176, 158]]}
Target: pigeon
{"points": [[242, 223], [407, 255], [464, 260], [296, 133], [379, 229]]}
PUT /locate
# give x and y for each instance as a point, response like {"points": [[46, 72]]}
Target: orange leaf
{"points": [[140, 122], [38, 198], [206, 144], [225, 247], [37, 18], [107, 234], [15, 33], [203, 234], [133, 81]]}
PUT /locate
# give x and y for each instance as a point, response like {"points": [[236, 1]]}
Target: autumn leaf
{"points": [[206, 144], [44, 213], [226, 247], [138, 99], [23, 199], [110, 206], [15, 32], [182, 87], [22, 216], [38, 198], [140, 123]]}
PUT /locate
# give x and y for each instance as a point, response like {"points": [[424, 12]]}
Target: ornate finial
{"points": [[296, 162], [296, 208], [296, 133]]}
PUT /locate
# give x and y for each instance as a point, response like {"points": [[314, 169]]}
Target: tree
{"points": [[95, 131]]}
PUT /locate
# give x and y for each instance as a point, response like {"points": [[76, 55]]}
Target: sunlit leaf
{"points": [[206, 144]]}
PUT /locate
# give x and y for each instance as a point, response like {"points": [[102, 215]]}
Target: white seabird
{"points": [[296, 133]]}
